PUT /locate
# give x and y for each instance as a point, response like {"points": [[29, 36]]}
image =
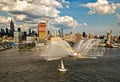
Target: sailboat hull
{"points": [[63, 70]]}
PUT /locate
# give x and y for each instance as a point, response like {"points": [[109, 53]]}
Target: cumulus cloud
{"points": [[118, 18], [4, 19], [102, 7], [37, 7], [24, 26], [15, 6], [67, 6], [33, 11], [66, 2], [50, 3], [20, 17], [85, 24], [67, 21]]}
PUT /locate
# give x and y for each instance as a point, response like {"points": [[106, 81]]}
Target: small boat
{"points": [[62, 68]]}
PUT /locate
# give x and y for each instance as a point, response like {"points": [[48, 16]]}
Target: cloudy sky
{"points": [[90, 16]]}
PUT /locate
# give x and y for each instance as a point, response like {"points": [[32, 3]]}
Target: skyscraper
{"points": [[7, 31], [17, 37], [42, 30], [19, 29], [12, 25], [29, 32], [62, 32]]}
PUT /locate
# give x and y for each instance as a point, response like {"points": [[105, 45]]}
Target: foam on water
{"points": [[57, 48], [89, 48]]}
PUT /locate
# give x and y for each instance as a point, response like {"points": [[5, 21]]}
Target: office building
{"points": [[42, 30]]}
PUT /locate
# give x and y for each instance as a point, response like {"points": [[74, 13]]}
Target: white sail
{"points": [[62, 65]]}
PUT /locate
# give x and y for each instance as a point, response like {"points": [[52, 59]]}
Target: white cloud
{"points": [[24, 27], [102, 7], [53, 3], [4, 19], [44, 11], [66, 21], [67, 6], [37, 10], [20, 17], [64, 1], [15, 6], [85, 24]]}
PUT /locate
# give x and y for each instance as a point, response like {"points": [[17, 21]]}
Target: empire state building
{"points": [[12, 26]]}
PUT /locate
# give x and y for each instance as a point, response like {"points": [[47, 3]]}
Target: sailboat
{"points": [[62, 68]]}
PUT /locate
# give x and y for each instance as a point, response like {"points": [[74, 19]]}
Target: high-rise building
{"points": [[17, 37], [48, 32], [84, 35], [12, 29], [19, 29], [42, 30], [29, 32], [7, 32], [12, 26], [24, 35], [2, 32], [62, 32]]}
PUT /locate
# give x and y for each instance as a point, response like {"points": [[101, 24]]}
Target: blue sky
{"points": [[90, 16], [97, 23]]}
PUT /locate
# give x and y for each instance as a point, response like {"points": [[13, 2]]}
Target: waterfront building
{"points": [[42, 31], [17, 37], [109, 37], [4, 39], [30, 39], [60, 33], [70, 37], [78, 37], [90, 36], [1, 39], [2, 32]]}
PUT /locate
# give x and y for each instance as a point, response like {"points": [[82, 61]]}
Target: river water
{"points": [[27, 66]]}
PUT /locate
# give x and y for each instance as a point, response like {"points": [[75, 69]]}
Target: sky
{"points": [[90, 16]]}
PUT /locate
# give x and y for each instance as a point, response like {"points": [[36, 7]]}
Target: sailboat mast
{"points": [[62, 65]]}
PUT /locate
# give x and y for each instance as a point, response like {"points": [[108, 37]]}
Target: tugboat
{"points": [[62, 68]]}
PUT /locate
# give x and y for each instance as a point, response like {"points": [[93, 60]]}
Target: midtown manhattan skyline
{"points": [[90, 16]]}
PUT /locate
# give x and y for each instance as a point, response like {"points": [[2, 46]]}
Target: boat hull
{"points": [[63, 70]]}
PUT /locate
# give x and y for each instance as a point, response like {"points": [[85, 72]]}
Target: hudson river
{"points": [[21, 66]]}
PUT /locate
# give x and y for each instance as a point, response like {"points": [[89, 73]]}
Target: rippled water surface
{"points": [[27, 66]]}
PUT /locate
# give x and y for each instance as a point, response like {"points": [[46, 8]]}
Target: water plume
{"points": [[88, 48], [56, 49]]}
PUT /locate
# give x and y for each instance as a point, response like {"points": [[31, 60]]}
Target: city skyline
{"points": [[90, 16]]}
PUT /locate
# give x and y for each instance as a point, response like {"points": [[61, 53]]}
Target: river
{"points": [[27, 66]]}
